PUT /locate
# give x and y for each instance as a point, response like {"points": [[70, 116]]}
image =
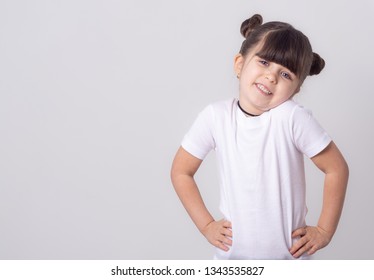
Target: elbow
{"points": [[183, 167], [342, 173], [175, 174]]}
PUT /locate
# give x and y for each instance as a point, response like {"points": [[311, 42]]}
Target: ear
{"points": [[238, 64]]}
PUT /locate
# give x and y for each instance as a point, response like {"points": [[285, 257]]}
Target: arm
{"points": [[182, 175], [331, 162]]}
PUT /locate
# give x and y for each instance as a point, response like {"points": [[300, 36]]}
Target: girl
{"points": [[260, 140]]}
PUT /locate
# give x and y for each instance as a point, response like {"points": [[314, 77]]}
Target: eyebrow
{"points": [[258, 55]]}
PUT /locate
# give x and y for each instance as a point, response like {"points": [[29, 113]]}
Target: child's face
{"points": [[263, 85]]}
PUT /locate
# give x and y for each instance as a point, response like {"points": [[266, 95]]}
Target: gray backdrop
{"points": [[96, 95]]}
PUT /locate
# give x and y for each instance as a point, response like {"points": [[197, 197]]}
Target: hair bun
{"points": [[317, 65], [249, 24]]}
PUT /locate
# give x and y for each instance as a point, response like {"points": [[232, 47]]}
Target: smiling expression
{"points": [[263, 85]]}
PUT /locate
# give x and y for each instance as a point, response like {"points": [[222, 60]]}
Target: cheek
{"points": [[290, 90], [280, 98]]}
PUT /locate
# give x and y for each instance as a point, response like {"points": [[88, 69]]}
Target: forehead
{"points": [[258, 52], [258, 55], [282, 48]]}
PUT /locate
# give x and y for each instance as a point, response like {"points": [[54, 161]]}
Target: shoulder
{"points": [[306, 133], [224, 105], [292, 111], [219, 109], [215, 113], [288, 107]]}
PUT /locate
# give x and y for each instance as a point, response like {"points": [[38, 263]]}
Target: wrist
{"points": [[328, 234], [204, 228]]}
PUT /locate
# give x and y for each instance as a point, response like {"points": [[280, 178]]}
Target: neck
{"points": [[245, 112]]}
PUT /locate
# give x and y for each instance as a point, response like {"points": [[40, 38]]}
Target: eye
{"points": [[286, 75], [263, 62]]}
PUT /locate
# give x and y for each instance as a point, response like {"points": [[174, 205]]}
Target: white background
{"points": [[95, 97]]}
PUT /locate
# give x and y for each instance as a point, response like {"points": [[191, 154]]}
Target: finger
{"points": [[227, 241], [313, 250], [299, 232], [308, 247], [299, 252], [298, 245], [227, 224], [227, 232], [221, 246]]}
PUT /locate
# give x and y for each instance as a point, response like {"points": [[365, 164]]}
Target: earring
{"points": [[238, 75]]}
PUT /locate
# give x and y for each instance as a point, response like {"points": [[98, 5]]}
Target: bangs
{"points": [[288, 49]]}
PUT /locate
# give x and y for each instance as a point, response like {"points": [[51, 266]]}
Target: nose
{"points": [[271, 76]]}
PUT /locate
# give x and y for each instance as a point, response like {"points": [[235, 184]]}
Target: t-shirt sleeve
{"points": [[308, 135], [199, 140]]}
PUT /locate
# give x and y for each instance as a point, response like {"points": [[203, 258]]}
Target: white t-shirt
{"points": [[261, 167]]}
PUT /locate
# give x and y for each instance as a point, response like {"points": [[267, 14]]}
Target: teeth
{"points": [[262, 88]]}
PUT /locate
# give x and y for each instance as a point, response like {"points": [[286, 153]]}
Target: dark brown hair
{"points": [[282, 44]]}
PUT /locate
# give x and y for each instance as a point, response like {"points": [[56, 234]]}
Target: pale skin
{"points": [[185, 165], [282, 84], [313, 238]]}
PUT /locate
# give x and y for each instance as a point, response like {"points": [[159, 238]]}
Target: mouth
{"points": [[263, 89]]}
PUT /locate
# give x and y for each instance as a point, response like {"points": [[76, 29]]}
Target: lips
{"points": [[263, 89]]}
